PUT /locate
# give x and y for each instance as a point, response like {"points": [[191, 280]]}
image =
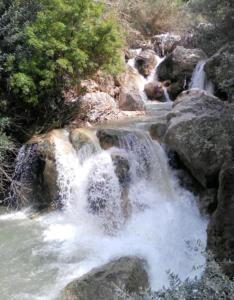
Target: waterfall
{"points": [[199, 79], [166, 95], [124, 200]]}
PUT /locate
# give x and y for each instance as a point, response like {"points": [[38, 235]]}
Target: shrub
{"points": [[218, 20], [213, 285], [7, 152], [46, 46]]}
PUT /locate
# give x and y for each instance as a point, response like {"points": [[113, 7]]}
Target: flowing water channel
{"points": [[144, 212]]}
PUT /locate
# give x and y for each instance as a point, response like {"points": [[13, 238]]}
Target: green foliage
{"points": [[66, 44], [47, 46], [213, 285], [219, 30]]}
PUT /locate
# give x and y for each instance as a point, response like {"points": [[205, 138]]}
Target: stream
{"points": [[148, 215]]}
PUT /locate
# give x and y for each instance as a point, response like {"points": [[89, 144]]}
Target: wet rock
{"points": [[122, 171], [154, 91], [122, 168], [200, 131], [97, 107], [178, 68], [108, 138], [158, 130], [221, 227], [80, 137], [206, 198], [208, 201], [220, 69], [165, 43], [145, 62], [101, 283]]}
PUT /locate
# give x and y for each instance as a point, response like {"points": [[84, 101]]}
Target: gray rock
{"points": [[200, 131], [131, 100], [220, 69], [221, 227], [97, 107], [101, 283], [166, 43], [178, 67]]}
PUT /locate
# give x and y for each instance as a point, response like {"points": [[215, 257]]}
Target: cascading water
{"points": [[144, 80], [199, 79], [121, 201]]}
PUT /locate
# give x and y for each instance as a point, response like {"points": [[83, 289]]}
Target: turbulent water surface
{"points": [[40, 256]]}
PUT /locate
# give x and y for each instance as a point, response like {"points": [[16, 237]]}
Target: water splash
{"points": [[66, 244]]}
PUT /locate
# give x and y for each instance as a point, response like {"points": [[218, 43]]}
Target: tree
{"points": [[219, 16]]}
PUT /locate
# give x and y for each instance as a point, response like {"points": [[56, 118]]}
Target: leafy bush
{"points": [[218, 23], [213, 285], [46, 46]]}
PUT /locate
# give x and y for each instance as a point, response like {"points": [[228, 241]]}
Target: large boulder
{"points": [[221, 227], [220, 69], [126, 273], [165, 43], [200, 131], [97, 107], [146, 62], [178, 67]]}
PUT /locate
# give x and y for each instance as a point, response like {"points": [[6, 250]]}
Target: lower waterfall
{"points": [[121, 201]]}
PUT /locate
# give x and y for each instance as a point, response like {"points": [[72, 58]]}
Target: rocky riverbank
{"points": [[197, 133]]}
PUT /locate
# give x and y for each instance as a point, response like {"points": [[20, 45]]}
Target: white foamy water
{"points": [[199, 79], [40, 256]]}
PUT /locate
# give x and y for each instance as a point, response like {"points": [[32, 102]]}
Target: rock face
{"points": [[200, 130], [97, 107], [101, 283], [221, 227], [165, 43], [220, 69], [178, 67], [154, 91], [145, 62]]}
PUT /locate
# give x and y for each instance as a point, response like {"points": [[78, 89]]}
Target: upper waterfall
{"points": [[199, 79]]}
